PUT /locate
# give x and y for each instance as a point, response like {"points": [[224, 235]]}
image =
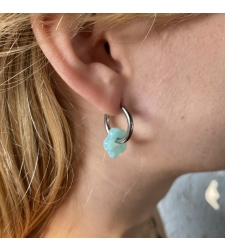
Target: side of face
{"points": [[175, 86]]}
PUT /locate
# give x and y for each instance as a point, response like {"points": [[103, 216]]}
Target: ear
{"points": [[83, 61]]}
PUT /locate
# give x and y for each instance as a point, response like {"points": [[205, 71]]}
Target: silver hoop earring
{"points": [[118, 136]]}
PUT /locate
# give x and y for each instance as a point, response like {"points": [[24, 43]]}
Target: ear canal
{"points": [[107, 47]]}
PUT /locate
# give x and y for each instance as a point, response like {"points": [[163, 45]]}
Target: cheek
{"points": [[185, 128], [180, 101]]}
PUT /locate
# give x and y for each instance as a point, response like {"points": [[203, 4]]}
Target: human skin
{"points": [[172, 80]]}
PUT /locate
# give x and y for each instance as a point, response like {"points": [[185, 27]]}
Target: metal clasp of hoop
{"points": [[129, 127]]}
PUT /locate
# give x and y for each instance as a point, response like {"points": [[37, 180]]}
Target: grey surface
{"points": [[186, 213]]}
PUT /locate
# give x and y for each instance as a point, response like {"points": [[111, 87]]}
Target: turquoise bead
{"points": [[110, 144]]}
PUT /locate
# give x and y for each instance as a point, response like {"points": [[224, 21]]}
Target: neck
{"points": [[109, 200]]}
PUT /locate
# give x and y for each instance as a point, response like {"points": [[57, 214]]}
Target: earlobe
{"points": [[87, 69]]}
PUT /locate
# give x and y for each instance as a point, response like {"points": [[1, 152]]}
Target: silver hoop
{"points": [[129, 127]]}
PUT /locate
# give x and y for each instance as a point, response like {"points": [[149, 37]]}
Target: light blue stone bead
{"points": [[121, 147], [110, 145], [113, 154]]}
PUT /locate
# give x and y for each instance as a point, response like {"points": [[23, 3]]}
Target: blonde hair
{"points": [[36, 143]]}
